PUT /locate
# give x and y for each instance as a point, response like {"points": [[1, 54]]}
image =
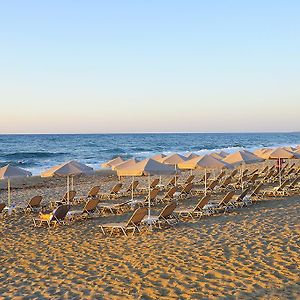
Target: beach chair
{"points": [[294, 185], [263, 171], [220, 176], [93, 192], [256, 193], [132, 224], [143, 201], [241, 199], [113, 193], [171, 182], [131, 188], [166, 216], [88, 210], [187, 181], [56, 217], [169, 195], [278, 191], [209, 189], [186, 191], [34, 204], [197, 211], [153, 185], [225, 184], [223, 206], [233, 173], [251, 181], [2, 206], [202, 179]]}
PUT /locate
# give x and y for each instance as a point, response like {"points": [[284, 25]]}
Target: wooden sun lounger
{"points": [[256, 194], [278, 191], [65, 200], [241, 200], [186, 191], [169, 195], [153, 185], [56, 217], [197, 211], [187, 181], [132, 224]]}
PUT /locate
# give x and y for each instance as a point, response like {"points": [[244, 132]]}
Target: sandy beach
{"points": [[250, 253]]}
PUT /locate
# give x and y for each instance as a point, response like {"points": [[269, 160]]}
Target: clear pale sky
{"points": [[149, 66]]}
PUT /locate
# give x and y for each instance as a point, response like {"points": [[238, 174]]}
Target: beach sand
{"points": [[251, 253]]}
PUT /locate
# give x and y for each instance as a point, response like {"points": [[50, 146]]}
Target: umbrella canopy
{"points": [[158, 157], [291, 149], [125, 164], [282, 153], [147, 167], [173, 159], [242, 157], [222, 154], [68, 169], [8, 172], [113, 162], [191, 155], [207, 161]]}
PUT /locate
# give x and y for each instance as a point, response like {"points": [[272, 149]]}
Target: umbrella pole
{"points": [[72, 183], [68, 189], [149, 203], [242, 183], [8, 192], [205, 179], [175, 175], [132, 188], [280, 171]]}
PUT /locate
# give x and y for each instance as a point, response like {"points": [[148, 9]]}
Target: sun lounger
{"points": [[34, 204], [202, 179], [197, 211], [56, 217], [153, 185], [166, 216], [278, 191], [144, 201], [169, 195], [65, 199], [224, 205], [132, 224], [256, 193], [88, 210], [242, 199], [187, 181], [131, 188], [113, 193], [186, 191]]}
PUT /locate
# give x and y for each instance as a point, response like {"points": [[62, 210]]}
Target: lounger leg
{"points": [[124, 231]]}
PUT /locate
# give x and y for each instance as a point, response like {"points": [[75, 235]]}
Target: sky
{"points": [[149, 66]]}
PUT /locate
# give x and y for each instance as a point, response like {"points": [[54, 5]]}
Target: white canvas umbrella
{"points": [[240, 158], [68, 169], [147, 167], [8, 172], [204, 162], [113, 162]]}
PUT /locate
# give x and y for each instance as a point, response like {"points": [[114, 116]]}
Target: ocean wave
{"points": [[32, 155]]}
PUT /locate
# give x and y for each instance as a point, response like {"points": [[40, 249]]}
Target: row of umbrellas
{"points": [[159, 164]]}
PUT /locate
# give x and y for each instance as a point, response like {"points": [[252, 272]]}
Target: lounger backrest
{"points": [[220, 175], [133, 185], [153, 194], [257, 189], [2, 205], [294, 182], [172, 181], [170, 192], [245, 172], [253, 178], [167, 211], [283, 185], [233, 173], [253, 172], [72, 195], [227, 181], [35, 201], [203, 201], [187, 188], [91, 205], [154, 183], [213, 185], [94, 191], [190, 179], [264, 170], [226, 199], [243, 194], [116, 188], [60, 212], [137, 216]]}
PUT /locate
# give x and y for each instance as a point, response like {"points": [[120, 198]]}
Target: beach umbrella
{"points": [[8, 172], [158, 157], [191, 155], [240, 158], [68, 169], [147, 167], [204, 162], [174, 160], [280, 154], [125, 164], [113, 162]]}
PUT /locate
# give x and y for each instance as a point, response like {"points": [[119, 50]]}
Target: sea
{"points": [[37, 152]]}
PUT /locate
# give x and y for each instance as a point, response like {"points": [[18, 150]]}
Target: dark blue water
{"points": [[38, 152]]}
